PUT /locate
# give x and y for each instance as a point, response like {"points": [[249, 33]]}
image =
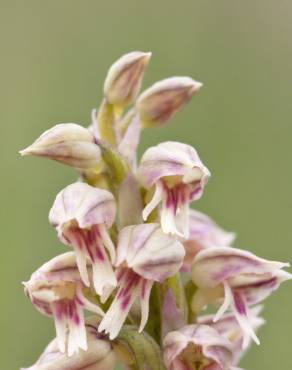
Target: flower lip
{"points": [[144, 255]]}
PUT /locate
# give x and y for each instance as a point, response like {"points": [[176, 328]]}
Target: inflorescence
{"points": [[141, 261]]}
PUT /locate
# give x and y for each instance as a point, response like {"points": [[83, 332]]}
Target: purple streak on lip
{"points": [[131, 280], [98, 253], [239, 304], [125, 302]]}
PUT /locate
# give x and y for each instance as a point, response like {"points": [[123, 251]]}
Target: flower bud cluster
{"points": [[132, 237]]}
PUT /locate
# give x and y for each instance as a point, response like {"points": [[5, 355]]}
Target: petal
{"points": [[156, 199], [226, 303], [107, 242], [241, 313], [116, 315], [124, 78], [88, 305], [157, 104], [69, 144], [145, 291], [168, 221], [81, 260], [214, 265], [60, 325], [208, 341], [76, 330], [103, 274], [87, 205], [257, 288], [151, 253], [167, 159]]}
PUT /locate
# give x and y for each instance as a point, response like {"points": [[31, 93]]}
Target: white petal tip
{"points": [[24, 152], [145, 215], [147, 55]]}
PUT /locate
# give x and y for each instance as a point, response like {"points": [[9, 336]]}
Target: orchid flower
{"points": [[82, 215], [124, 78], [204, 233], [144, 255], [228, 327], [239, 278], [178, 176], [99, 354], [56, 289], [161, 101], [68, 143], [197, 347]]}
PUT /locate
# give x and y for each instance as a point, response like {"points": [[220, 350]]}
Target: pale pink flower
{"points": [[56, 289], [178, 176], [161, 101], [196, 347], [68, 143], [204, 233], [82, 216], [144, 255], [239, 278], [98, 356], [124, 78], [228, 327]]}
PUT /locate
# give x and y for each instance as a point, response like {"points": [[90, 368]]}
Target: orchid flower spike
{"points": [[69, 144], [99, 354], [56, 289], [239, 278], [197, 347], [82, 215], [124, 78], [144, 255], [161, 101], [178, 176], [228, 327], [204, 233]]}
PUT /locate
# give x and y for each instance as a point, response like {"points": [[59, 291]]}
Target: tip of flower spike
{"points": [[26, 151], [197, 86], [147, 55]]}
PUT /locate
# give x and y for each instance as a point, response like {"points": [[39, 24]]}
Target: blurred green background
{"points": [[54, 57]]}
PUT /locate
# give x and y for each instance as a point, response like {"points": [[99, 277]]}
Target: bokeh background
{"points": [[54, 57]]}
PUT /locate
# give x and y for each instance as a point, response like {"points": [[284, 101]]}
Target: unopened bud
{"points": [[69, 144], [124, 78], [157, 104]]}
